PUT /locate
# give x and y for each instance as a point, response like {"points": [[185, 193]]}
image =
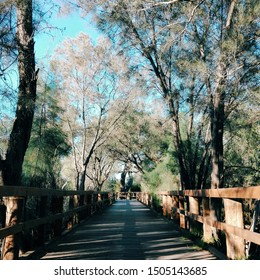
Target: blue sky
{"points": [[68, 26], [46, 42]]}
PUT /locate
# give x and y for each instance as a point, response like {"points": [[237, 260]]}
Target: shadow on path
{"points": [[127, 230]]}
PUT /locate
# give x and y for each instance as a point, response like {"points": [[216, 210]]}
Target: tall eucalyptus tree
{"points": [[201, 56], [21, 130], [95, 90]]}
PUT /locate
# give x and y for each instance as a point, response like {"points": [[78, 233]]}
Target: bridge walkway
{"points": [[127, 230]]}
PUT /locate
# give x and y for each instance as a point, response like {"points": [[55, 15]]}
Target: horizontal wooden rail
{"points": [[57, 209], [244, 233], [186, 207], [243, 193], [127, 195], [37, 222], [189, 206], [29, 191]]}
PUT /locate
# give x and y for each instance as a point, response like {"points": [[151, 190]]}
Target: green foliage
{"points": [[112, 185], [48, 143], [203, 60], [136, 187], [164, 176], [153, 179], [242, 149], [174, 51], [156, 203]]}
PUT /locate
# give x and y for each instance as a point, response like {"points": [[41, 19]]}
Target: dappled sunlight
{"points": [[161, 244], [126, 230], [187, 256], [74, 255], [102, 230], [106, 225], [141, 209], [148, 223], [158, 232]]}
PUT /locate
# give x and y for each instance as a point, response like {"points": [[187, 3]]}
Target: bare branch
{"points": [[230, 13], [191, 17]]}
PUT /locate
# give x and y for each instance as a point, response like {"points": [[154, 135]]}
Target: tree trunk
{"points": [[184, 175], [10, 247], [82, 179], [20, 134], [218, 107], [123, 180], [217, 130]]}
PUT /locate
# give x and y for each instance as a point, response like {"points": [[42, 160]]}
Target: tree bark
{"points": [[10, 247], [21, 131], [217, 117], [184, 175], [218, 109], [217, 129]]}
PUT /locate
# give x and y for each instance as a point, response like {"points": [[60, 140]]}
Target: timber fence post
{"points": [[169, 206], [14, 214], [89, 202], [234, 217], [207, 232], [72, 218], [142, 198], [42, 213], [95, 202], [56, 208], [193, 208], [175, 207], [164, 205], [182, 212], [150, 202], [81, 203]]}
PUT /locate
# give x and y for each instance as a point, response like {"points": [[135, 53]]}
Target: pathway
{"points": [[127, 230]]}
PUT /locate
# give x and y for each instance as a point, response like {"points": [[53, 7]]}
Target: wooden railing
{"points": [[127, 195], [192, 207], [48, 212], [57, 210]]}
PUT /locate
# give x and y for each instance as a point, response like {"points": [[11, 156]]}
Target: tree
{"points": [[97, 95], [48, 143], [8, 56], [139, 141], [236, 73], [100, 168], [8, 48], [20, 134], [142, 29], [201, 54], [202, 57], [241, 155]]}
